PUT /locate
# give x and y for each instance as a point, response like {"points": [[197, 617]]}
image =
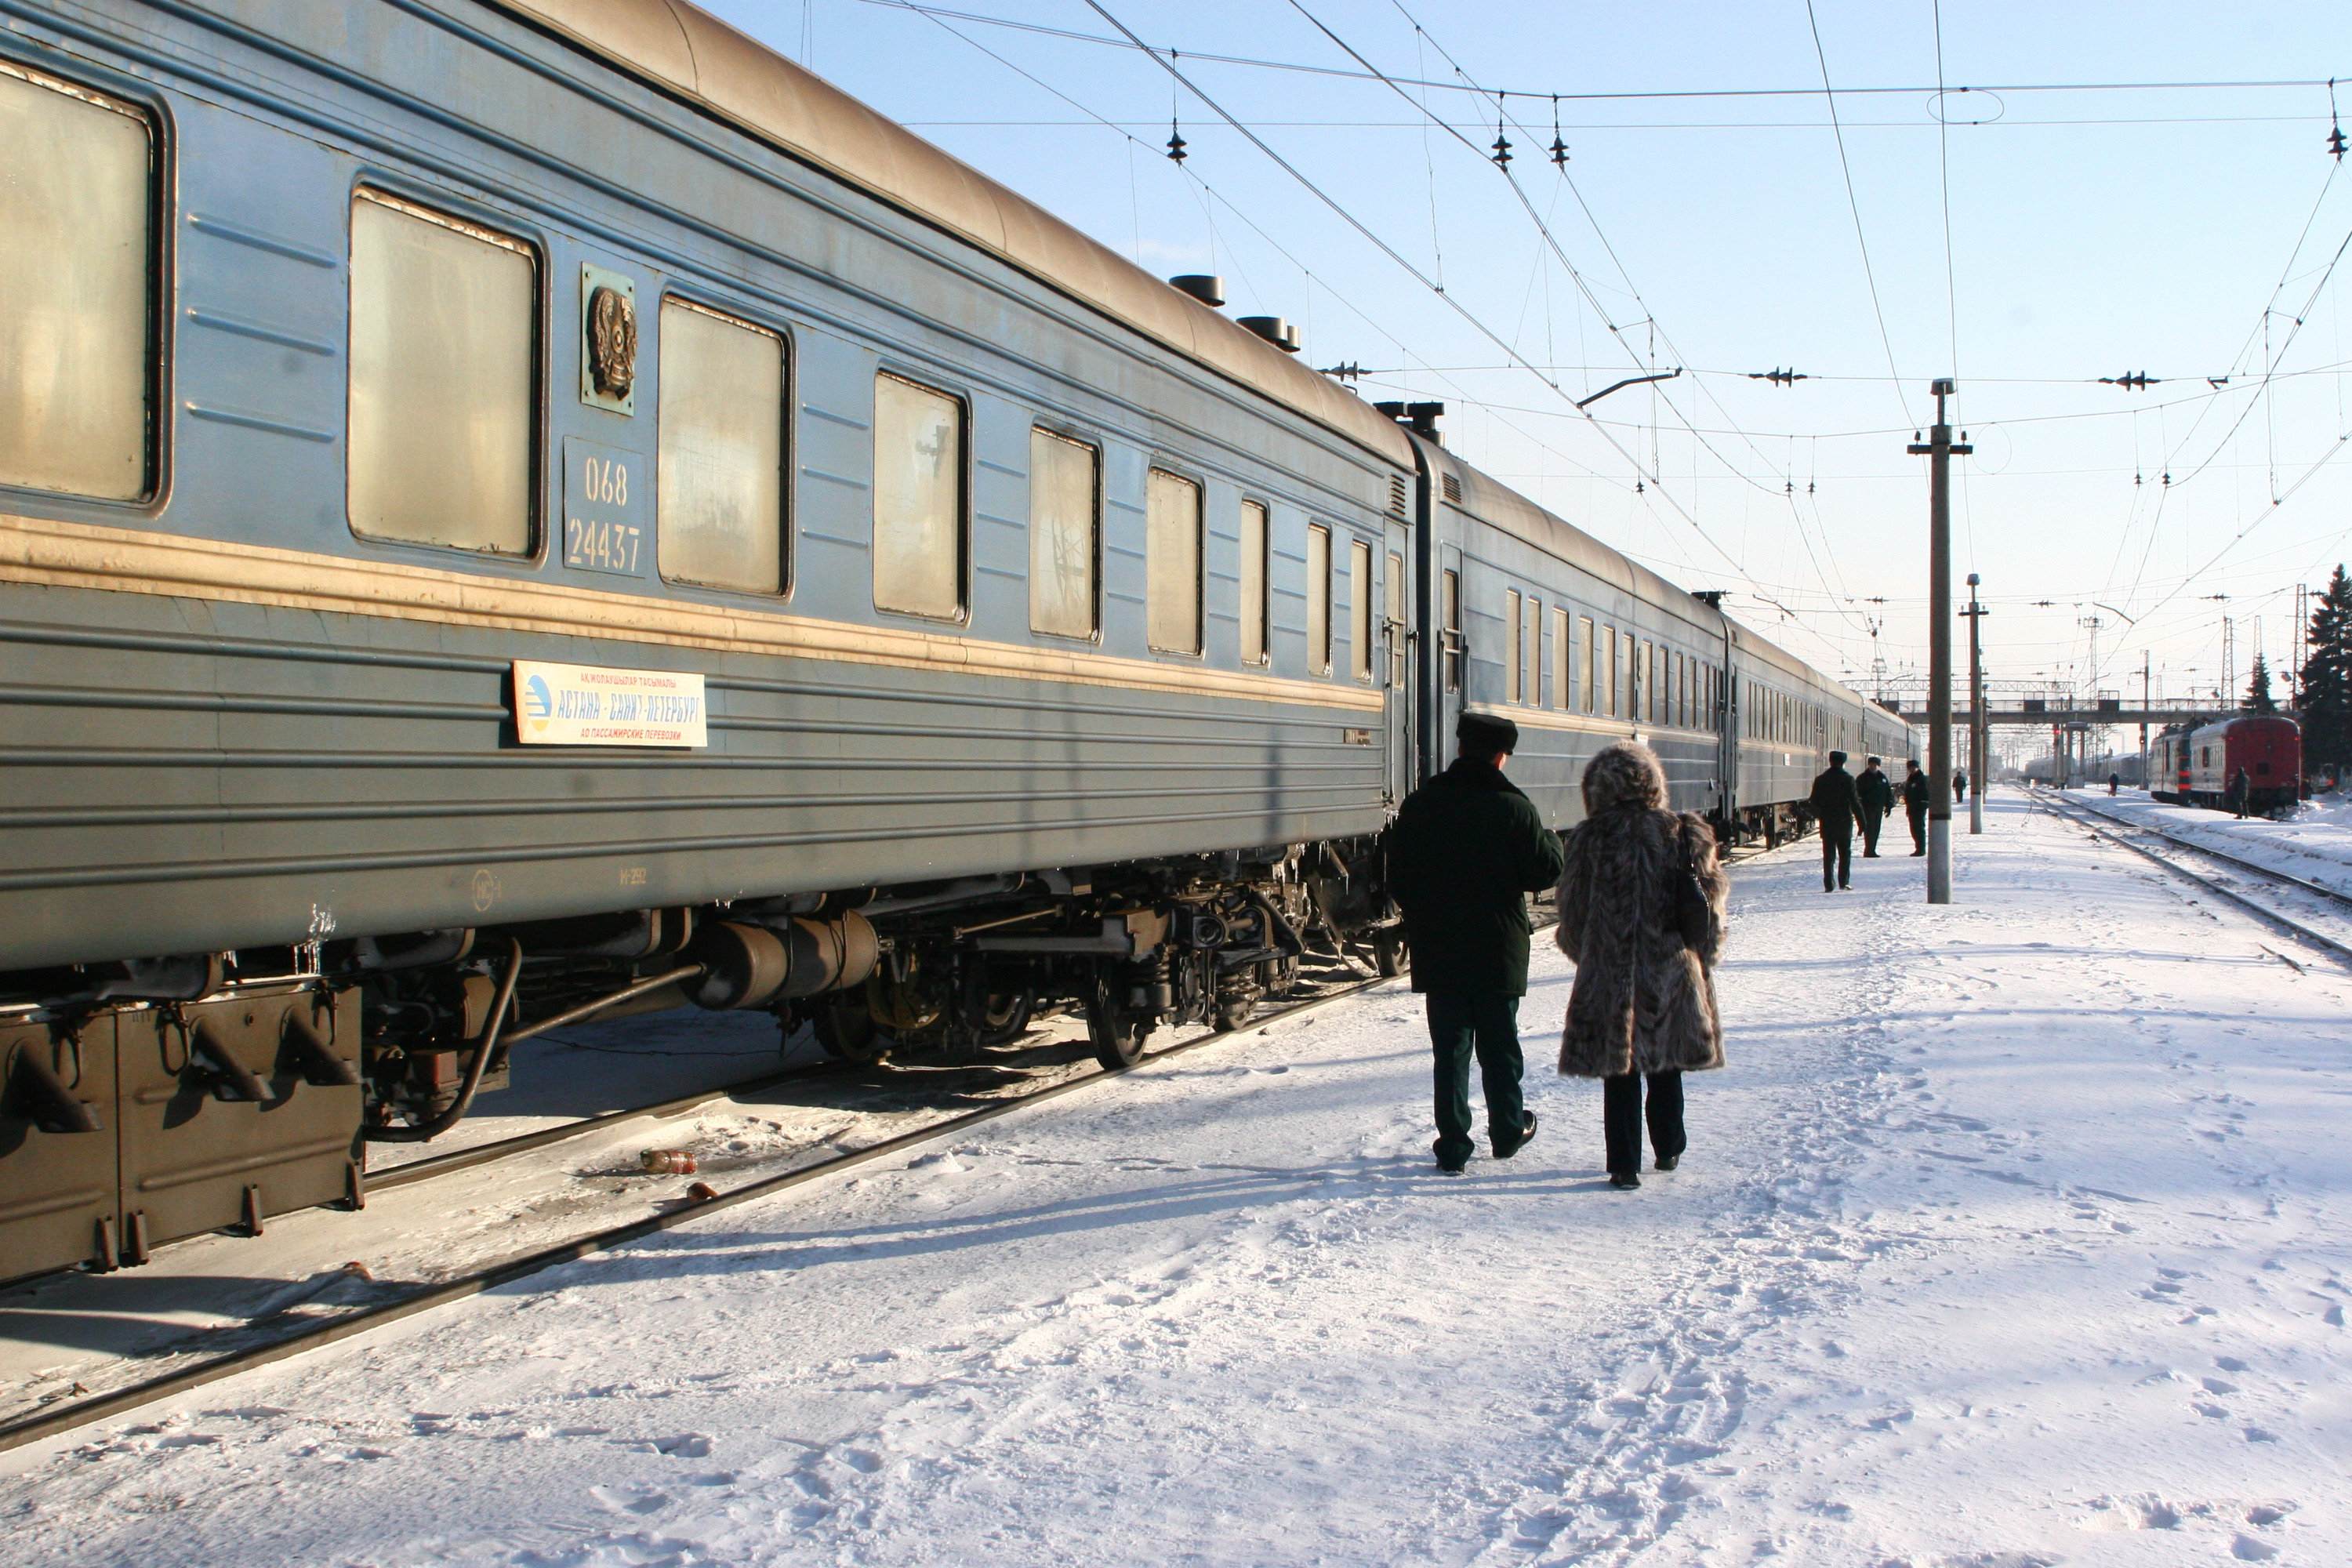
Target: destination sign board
{"points": [[585, 705]]}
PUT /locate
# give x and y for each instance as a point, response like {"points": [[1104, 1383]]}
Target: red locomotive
{"points": [[2195, 767]]}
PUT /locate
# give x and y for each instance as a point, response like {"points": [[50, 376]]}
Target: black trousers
{"points": [[1837, 852], [1919, 816], [1870, 821], [1486, 1024], [1622, 1114]]}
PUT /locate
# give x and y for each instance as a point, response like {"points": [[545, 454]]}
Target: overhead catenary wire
{"points": [[1130, 41]]}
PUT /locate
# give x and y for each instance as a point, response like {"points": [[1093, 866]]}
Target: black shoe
{"points": [[1668, 1162], [1827, 888], [1449, 1170], [1623, 1181], [1870, 854], [1915, 853], [1527, 1133], [1845, 887]]}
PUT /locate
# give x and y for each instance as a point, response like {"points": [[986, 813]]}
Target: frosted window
{"points": [[75, 208], [1061, 489], [1396, 620], [1253, 576], [1450, 608], [1172, 563], [917, 499], [719, 482], [1319, 599], [1360, 610], [1560, 652], [1531, 667], [444, 322], [1511, 644], [1591, 661]]}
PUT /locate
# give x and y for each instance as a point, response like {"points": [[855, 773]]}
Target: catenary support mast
{"points": [[1980, 728], [1938, 449]]}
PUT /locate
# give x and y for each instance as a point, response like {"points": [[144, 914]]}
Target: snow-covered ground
{"points": [[2015, 1233], [2314, 843]]}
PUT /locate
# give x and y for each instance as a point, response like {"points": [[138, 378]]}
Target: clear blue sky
{"points": [[2093, 233]]}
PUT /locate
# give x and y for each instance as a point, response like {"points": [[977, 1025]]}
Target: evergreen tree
{"points": [[2258, 690], [2326, 711]]}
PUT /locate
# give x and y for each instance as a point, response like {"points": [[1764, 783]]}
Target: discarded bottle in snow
{"points": [[667, 1162]]}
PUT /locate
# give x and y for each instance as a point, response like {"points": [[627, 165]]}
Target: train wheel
{"points": [[1388, 955], [1117, 1035], [844, 1029]]}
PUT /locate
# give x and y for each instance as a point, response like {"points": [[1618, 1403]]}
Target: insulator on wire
{"points": [[1558, 150], [1502, 149], [1176, 143]]}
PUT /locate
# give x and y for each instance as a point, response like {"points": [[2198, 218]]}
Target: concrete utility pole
{"points": [[1979, 726], [1938, 449]]}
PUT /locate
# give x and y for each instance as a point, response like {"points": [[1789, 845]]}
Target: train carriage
{"points": [[545, 478], [550, 508]]}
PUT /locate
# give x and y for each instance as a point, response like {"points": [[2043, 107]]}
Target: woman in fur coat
{"points": [[1644, 1002]]}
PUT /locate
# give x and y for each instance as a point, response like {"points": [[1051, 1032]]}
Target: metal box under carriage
{"points": [[124, 1130]]}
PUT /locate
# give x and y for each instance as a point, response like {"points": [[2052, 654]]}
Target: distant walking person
{"points": [[2115, 782], [1959, 787], [1915, 807], [2240, 795], [1876, 793], [1643, 1011], [1467, 849], [1835, 806]]}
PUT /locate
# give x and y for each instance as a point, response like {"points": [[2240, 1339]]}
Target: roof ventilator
{"points": [[1274, 330], [1206, 287]]}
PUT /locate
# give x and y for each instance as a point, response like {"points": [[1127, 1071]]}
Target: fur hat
{"points": [[1484, 734], [1837, 759], [1625, 773]]}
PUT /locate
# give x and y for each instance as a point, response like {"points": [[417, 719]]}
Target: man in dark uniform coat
{"points": [[1960, 787], [1465, 849], [1876, 793], [1914, 805], [2240, 793], [1835, 806]]}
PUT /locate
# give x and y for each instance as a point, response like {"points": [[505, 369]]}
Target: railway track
{"points": [[316, 1333], [2103, 823]]}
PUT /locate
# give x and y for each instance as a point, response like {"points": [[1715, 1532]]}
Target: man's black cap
{"points": [[1837, 759], [1486, 734]]}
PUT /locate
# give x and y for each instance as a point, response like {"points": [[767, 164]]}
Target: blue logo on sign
{"points": [[537, 702]]}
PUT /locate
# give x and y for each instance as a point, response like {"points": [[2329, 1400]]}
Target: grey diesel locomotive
{"points": [[516, 509]]}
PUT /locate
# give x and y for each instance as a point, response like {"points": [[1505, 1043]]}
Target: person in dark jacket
{"points": [[1960, 787], [1876, 791], [2115, 782], [1835, 806], [1466, 850], [1914, 805], [2240, 793], [1643, 1011]]}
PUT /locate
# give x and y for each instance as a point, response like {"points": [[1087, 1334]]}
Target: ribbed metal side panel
{"points": [[180, 777]]}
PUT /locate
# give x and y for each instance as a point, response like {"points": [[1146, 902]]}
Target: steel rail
{"points": [[2083, 815], [64, 1417], [2287, 876]]}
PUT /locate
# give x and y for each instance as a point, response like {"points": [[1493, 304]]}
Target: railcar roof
{"points": [[694, 55], [1496, 503]]}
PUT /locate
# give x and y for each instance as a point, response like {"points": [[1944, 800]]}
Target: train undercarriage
{"points": [[149, 1100]]}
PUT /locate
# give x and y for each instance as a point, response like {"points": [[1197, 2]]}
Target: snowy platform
{"points": [[2314, 843], [2016, 1232]]}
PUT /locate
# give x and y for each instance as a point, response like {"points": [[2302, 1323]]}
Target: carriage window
{"points": [[1560, 648], [1609, 636], [718, 518], [1173, 564], [1255, 539], [1360, 610], [1511, 688], [444, 379], [917, 499], [1451, 612], [1319, 599], [1531, 663], [76, 202], [1396, 621], [1062, 528], [1592, 659]]}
